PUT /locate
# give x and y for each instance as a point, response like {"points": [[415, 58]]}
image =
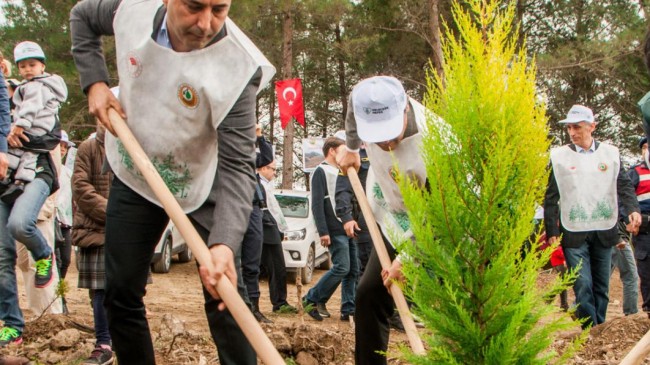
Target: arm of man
{"points": [[89, 21], [5, 123], [627, 199], [233, 187], [350, 157], [318, 193], [344, 196], [552, 209], [266, 152]]}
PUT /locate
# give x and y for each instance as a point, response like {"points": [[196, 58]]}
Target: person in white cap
{"points": [[586, 189], [382, 115]]}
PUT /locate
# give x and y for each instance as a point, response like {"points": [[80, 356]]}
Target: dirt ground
{"points": [[181, 336]]}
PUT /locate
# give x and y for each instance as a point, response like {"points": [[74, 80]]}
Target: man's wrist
{"points": [[352, 150]]}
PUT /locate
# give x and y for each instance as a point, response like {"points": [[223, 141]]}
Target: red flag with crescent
{"points": [[289, 94]]}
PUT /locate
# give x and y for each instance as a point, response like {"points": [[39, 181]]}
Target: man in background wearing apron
{"points": [[586, 187]]}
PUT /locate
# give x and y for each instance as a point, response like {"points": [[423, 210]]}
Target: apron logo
{"points": [[133, 65], [188, 96], [394, 174], [602, 167]]}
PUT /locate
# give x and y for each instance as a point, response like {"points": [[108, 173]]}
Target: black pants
{"points": [[133, 228], [63, 251], [273, 260], [251, 253], [363, 250], [374, 305], [642, 255]]}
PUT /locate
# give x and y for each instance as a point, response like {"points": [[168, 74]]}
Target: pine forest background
{"points": [[587, 52]]}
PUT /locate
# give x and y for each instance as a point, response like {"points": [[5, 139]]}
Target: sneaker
{"points": [[346, 316], [12, 193], [322, 310], [9, 336], [310, 308], [260, 317], [43, 275], [99, 356]]}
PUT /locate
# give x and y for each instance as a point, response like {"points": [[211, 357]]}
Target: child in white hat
{"points": [[35, 128]]}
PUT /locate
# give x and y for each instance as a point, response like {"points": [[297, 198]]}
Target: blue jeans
{"points": [[344, 271], [102, 335], [592, 284], [18, 222], [624, 260]]}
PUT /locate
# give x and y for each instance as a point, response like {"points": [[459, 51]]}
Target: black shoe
{"points": [[12, 193], [285, 308], [395, 322], [310, 308], [255, 308], [43, 276], [322, 310], [346, 316]]}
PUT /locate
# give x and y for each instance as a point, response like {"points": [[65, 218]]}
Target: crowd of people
{"points": [[206, 131]]}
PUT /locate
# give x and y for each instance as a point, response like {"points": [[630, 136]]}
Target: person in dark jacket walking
{"points": [[343, 251]]}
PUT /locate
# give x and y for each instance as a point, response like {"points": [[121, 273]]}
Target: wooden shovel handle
{"points": [[639, 352], [239, 310], [405, 314]]}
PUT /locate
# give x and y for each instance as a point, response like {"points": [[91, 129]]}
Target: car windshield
{"points": [[294, 206]]}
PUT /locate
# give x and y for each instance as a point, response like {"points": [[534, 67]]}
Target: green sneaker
{"points": [[44, 275], [10, 336]]}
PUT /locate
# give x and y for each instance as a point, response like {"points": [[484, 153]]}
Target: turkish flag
{"points": [[289, 94]]}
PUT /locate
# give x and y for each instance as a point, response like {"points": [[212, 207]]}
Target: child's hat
{"points": [[26, 50]]}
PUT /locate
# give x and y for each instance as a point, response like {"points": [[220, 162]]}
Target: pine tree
{"points": [[471, 283]]}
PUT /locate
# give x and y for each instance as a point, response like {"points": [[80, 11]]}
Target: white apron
{"points": [[175, 101], [331, 175], [273, 206], [587, 185], [383, 192]]}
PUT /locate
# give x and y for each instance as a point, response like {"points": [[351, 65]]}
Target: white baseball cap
{"points": [[26, 50], [577, 114], [64, 138], [340, 134], [379, 104]]}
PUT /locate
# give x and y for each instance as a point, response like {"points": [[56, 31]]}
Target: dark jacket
{"points": [[347, 206], [626, 200], [90, 193], [321, 207]]}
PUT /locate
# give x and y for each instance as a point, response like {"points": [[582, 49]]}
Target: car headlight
{"points": [[295, 235]]}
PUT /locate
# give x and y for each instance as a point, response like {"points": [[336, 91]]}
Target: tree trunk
{"points": [[341, 71], [271, 116], [434, 35], [287, 65]]}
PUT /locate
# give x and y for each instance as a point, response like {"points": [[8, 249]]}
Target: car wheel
{"points": [[185, 255], [308, 271], [165, 262]]}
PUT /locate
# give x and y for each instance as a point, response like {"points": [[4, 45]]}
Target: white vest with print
{"points": [[331, 175], [587, 186], [383, 192], [175, 101], [273, 206]]}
